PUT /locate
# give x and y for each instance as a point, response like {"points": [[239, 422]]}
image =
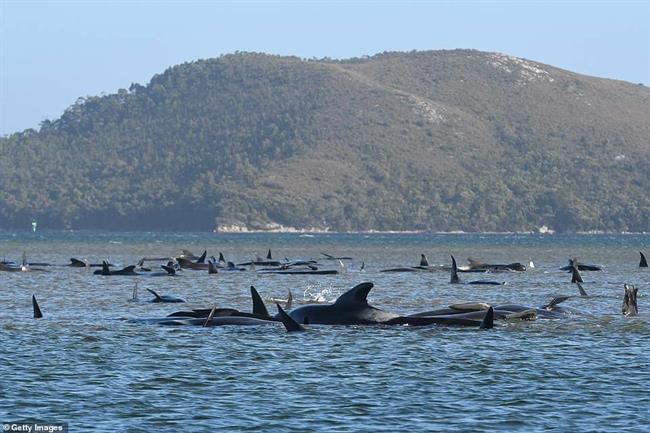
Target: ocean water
{"points": [[85, 364]]}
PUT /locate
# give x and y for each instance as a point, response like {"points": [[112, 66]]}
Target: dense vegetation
{"points": [[441, 140]]}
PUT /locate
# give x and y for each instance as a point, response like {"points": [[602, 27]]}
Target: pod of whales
{"points": [[352, 307]]}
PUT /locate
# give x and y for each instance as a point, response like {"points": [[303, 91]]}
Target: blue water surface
{"points": [[86, 364]]}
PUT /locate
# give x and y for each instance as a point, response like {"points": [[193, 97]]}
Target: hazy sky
{"points": [[53, 52]]}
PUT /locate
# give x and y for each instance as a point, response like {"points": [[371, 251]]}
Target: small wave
{"points": [[314, 293]]}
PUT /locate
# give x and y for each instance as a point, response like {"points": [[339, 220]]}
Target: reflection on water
{"points": [[589, 371]]}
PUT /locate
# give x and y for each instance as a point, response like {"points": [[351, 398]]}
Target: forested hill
{"points": [[436, 140]]}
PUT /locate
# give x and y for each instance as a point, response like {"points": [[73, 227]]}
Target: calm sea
{"points": [[85, 365]]}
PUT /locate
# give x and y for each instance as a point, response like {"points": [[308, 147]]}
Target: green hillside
{"points": [[437, 140]]}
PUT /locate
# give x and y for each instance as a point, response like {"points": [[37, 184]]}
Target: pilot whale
{"points": [[352, 308], [455, 279], [165, 298], [476, 265], [581, 266], [105, 270], [260, 261], [423, 266], [199, 264], [219, 316]]}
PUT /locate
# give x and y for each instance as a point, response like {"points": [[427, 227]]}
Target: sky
{"points": [[53, 52]]}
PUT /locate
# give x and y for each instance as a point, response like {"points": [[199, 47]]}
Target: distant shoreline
{"points": [[329, 232]]}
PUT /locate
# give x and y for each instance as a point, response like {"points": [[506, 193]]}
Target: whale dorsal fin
{"points": [[105, 268], [363, 266], [643, 263], [454, 272], [423, 260], [289, 303], [77, 262], [170, 270], [212, 269], [130, 268], [583, 293], [289, 323], [140, 262], [154, 293], [222, 259], [356, 295], [231, 265], [258, 305], [488, 319], [202, 258], [37, 310], [268, 255]]}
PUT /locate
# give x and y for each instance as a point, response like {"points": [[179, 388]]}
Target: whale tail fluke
{"points": [[37, 310], [643, 263], [454, 272], [488, 319], [289, 323], [258, 305]]}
